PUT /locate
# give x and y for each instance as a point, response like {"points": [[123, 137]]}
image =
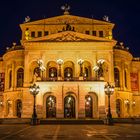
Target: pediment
{"points": [[71, 19], [69, 36]]}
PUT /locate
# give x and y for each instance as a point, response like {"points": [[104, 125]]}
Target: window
{"points": [[46, 33], [86, 73], [68, 73], [2, 78], [125, 78], [32, 34], [20, 77], [39, 33], [87, 32], [94, 33], [100, 33], [37, 72], [53, 72], [10, 79], [117, 77]]}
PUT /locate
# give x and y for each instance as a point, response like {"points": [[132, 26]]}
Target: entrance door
{"points": [[88, 106], [118, 107], [18, 108], [51, 107], [69, 107]]}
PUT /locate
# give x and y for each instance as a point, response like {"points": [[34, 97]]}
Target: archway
{"points": [[51, 107], [68, 70], [18, 108], [68, 73], [69, 107], [88, 106], [87, 70]]}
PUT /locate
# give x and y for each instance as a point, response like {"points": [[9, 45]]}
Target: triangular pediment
{"points": [[69, 36], [71, 19]]}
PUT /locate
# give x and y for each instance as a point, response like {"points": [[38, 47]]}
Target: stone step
{"points": [[15, 121], [71, 121], [50, 121]]}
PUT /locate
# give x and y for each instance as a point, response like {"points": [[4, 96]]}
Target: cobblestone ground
{"points": [[70, 132]]}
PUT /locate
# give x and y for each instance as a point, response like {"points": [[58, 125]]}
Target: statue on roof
{"points": [[27, 19], [66, 9]]}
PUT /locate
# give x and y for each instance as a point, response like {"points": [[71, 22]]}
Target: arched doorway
{"points": [[69, 107], [51, 107], [18, 108], [118, 107], [88, 106]]}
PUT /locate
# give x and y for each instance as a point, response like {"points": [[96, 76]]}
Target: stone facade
{"points": [[69, 38]]}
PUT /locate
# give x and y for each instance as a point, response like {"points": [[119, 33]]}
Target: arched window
{"points": [[125, 78], [20, 77], [68, 73], [117, 77], [86, 73], [37, 72], [52, 72], [10, 79]]}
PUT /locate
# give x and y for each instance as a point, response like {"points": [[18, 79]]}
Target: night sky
{"points": [[126, 16]]}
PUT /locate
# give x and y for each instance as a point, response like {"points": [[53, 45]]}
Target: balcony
{"points": [[73, 79]]}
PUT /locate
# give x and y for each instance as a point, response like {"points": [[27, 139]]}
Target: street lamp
{"points": [[80, 62], [99, 68], [109, 90], [59, 62], [34, 90]]}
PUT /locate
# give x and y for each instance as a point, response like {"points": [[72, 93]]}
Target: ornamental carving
{"points": [[69, 37]]}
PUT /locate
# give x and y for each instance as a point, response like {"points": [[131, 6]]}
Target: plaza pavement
{"points": [[70, 132]]}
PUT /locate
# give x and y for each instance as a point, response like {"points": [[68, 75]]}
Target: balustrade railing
{"points": [[68, 79]]}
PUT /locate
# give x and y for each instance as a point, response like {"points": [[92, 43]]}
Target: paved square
{"points": [[70, 132]]}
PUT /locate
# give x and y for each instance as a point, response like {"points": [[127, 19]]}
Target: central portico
{"points": [[71, 100]]}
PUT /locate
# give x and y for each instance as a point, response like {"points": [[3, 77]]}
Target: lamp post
{"points": [[59, 62], [99, 69], [80, 62], [34, 90], [109, 90]]}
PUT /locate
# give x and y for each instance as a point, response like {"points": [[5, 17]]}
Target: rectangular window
{"points": [[39, 33], [2, 78], [87, 32], [32, 34], [94, 33], [101, 34], [46, 33]]}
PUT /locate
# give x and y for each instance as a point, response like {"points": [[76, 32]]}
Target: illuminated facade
{"points": [[71, 58]]}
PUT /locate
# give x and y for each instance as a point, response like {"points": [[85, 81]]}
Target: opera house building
{"points": [[61, 70]]}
